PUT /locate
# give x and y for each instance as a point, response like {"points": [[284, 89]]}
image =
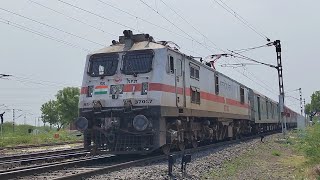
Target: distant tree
{"points": [[50, 113], [68, 100], [307, 108], [64, 110], [315, 101]]}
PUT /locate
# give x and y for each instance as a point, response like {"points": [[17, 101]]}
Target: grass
{"points": [[40, 135], [231, 168], [308, 144], [277, 158], [275, 153]]}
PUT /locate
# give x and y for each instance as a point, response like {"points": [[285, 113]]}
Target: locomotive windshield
{"points": [[103, 64], [135, 62]]}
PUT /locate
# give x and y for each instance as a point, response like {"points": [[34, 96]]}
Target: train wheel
{"points": [[181, 146], [166, 149], [194, 144]]}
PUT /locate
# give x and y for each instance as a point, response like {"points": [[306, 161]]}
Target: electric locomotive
{"points": [[140, 95]]}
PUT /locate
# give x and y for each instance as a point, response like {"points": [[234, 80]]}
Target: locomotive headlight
{"points": [[140, 122], [81, 123]]}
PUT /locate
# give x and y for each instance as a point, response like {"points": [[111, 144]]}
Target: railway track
{"points": [[10, 163], [39, 145], [90, 166]]}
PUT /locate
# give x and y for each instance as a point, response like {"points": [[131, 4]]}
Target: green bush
{"points": [[310, 144]]}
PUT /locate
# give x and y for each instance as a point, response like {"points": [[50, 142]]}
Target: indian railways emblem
{"points": [[117, 78]]}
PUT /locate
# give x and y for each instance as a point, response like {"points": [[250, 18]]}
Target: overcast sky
{"points": [[41, 66]]}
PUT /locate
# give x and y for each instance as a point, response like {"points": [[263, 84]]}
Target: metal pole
{"points": [[305, 115], [277, 44], [300, 92]]}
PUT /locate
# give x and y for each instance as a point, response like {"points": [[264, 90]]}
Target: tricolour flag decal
{"points": [[101, 90]]}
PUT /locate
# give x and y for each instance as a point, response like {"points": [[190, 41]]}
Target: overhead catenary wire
{"points": [[70, 17], [268, 44], [243, 50], [142, 19], [97, 15], [252, 48], [52, 27], [24, 28], [146, 4], [42, 82], [196, 29], [240, 18]]}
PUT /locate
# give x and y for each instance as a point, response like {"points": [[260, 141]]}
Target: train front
{"points": [[116, 113]]}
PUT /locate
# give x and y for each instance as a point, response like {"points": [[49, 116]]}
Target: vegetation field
{"points": [[297, 156], [38, 135]]}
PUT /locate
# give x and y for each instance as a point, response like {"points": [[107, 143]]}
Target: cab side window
{"points": [[170, 65]]}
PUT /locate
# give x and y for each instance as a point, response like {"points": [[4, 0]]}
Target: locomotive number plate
{"points": [[143, 101]]}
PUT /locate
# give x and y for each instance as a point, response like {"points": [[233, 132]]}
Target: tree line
{"points": [[314, 106], [63, 110]]}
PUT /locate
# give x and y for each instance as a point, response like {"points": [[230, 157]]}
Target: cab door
{"points": [[180, 82]]}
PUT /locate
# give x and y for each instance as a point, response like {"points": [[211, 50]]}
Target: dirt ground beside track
{"points": [[273, 159]]}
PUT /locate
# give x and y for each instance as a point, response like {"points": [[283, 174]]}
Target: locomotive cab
{"points": [[116, 107]]}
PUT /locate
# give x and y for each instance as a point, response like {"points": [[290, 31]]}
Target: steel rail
{"points": [[49, 167], [76, 175], [22, 162], [36, 154], [39, 145]]}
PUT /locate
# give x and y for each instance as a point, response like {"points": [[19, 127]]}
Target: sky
{"points": [[41, 66]]}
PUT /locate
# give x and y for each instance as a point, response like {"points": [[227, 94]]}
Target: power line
{"points": [[253, 48], [142, 19], [40, 82], [52, 27], [200, 32], [10, 23], [240, 18], [191, 25], [70, 17], [103, 17], [95, 14], [174, 25]]}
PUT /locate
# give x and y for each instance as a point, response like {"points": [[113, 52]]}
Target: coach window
{"points": [[171, 65], [259, 110], [216, 79], [241, 95], [194, 71], [195, 95]]}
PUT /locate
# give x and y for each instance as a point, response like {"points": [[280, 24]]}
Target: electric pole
{"points": [[300, 92], [283, 119], [13, 119]]}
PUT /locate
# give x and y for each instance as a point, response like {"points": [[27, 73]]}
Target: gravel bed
{"points": [[201, 164]]}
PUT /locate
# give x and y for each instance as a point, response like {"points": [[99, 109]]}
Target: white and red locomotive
{"points": [[139, 95]]}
